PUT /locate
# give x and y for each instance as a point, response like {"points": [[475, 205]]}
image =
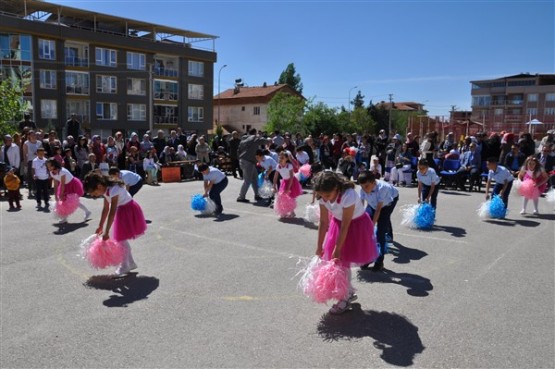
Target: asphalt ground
{"points": [[214, 293]]}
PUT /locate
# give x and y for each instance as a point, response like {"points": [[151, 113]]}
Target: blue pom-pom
{"points": [[497, 209], [198, 203], [260, 179], [425, 216]]}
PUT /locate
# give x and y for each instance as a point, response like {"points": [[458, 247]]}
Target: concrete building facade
{"points": [[113, 73]]}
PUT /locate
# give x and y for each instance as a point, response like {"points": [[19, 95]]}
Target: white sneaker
{"points": [[535, 212], [341, 307], [523, 211], [352, 297], [63, 221], [122, 271], [87, 215]]}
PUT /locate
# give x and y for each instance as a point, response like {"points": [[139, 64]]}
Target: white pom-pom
{"points": [[210, 207], [550, 196], [312, 213]]}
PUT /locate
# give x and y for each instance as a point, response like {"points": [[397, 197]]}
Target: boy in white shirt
{"points": [[40, 176]]}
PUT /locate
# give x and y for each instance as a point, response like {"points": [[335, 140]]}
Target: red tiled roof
{"points": [[403, 106], [255, 92]]}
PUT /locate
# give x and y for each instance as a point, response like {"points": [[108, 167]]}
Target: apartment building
{"points": [[113, 73], [508, 103]]}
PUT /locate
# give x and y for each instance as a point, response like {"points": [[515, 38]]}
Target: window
{"points": [[532, 97], [242, 108], [47, 49], [106, 84], [166, 66], [527, 82], [549, 111], [196, 68], [550, 96], [481, 100], [165, 90], [136, 111], [196, 92], [136, 61], [532, 111], [136, 86], [76, 54], [256, 110], [81, 109], [498, 111], [15, 47], [77, 83], [515, 100], [106, 111], [48, 109], [516, 111], [106, 57], [166, 114], [196, 114], [48, 79]]}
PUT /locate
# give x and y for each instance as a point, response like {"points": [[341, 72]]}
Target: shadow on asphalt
{"points": [[392, 333], [225, 217], [416, 285], [69, 227], [455, 193], [455, 231], [513, 222], [404, 255], [128, 289]]}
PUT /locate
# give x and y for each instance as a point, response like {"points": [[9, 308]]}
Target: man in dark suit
{"points": [[89, 165], [514, 160], [548, 162], [470, 167]]}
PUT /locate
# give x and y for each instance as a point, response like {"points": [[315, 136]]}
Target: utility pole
{"points": [[389, 115], [219, 92], [150, 98]]}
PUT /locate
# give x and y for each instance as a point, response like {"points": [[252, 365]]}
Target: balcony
{"points": [[165, 72], [167, 96], [76, 62], [158, 119], [513, 118]]}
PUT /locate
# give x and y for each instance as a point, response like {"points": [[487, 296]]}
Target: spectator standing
{"points": [[73, 126], [202, 150], [26, 122], [247, 161], [11, 154], [146, 146], [30, 148], [159, 142], [233, 154]]}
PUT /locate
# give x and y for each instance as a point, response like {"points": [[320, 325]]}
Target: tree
{"points": [[320, 118], [285, 113], [380, 115], [362, 120], [290, 77], [358, 101], [12, 105]]}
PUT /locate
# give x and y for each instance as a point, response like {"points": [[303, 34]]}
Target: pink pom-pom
{"points": [[285, 205], [529, 190], [101, 254], [324, 281], [305, 170], [63, 209]]}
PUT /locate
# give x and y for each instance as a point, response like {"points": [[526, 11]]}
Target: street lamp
{"points": [[219, 97], [350, 97]]}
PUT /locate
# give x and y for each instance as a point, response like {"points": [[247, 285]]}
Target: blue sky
{"points": [[425, 51]]}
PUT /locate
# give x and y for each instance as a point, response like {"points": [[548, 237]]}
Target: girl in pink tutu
{"points": [[121, 212], [289, 183], [345, 231], [66, 185], [533, 170]]}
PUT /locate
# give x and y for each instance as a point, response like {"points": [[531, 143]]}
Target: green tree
{"points": [[320, 118], [285, 113], [362, 121], [12, 105], [358, 101], [380, 115], [290, 77]]}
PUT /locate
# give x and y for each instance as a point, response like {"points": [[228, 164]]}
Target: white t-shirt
{"points": [[123, 196], [345, 200], [63, 172], [32, 149], [285, 172], [41, 171]]}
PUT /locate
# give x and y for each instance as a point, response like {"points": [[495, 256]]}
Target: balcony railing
{"points": [[165, 72], [165, 96], [165, 119], [76, 62], [77, 90]]}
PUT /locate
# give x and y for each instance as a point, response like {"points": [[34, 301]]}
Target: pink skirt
{"points": [[129, 222], [541, 188], [74, 186], [360, 245], [296, 188]]}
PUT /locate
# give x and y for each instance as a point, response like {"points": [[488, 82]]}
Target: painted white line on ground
{"points": [[272, 215], [431, 238], [238, 244]]}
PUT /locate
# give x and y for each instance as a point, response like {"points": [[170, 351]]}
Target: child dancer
{"points": [[381, 198], [428, 183], [65, 184], [121, 211], [503, 180], [289, 183], [532, 169], [12, 183], [346, 236], [40, 176], [215, 181]]}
